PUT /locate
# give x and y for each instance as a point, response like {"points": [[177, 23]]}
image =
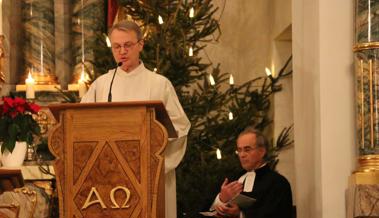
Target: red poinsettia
{"points": [[16, 122]]}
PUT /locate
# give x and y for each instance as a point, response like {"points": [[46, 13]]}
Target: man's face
{"points": [[126, 48], [251, 157]]}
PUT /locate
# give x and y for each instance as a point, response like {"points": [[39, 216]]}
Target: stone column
{"points": [[11, 44], [39, 41], [63, 44], [87, 27], [364, 183]]}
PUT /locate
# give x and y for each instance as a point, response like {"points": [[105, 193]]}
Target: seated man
{"points": [[270, 189]]}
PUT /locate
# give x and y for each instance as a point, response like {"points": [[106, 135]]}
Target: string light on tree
{"points": [[230, 115], [268, 72], [160, 19], [218, 154], [212, 80], [190, 51], [231, 80], [155, 69], [192, 12], [108, 41]]}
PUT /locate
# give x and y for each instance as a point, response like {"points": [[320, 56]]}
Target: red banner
{"points": [[112, 12]]}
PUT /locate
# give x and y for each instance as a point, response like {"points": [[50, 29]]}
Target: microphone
{"points": [[110, 87]]}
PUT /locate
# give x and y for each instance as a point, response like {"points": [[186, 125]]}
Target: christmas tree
{"points": [[175, 33]]}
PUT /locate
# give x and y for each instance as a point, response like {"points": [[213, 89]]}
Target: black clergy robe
{"points": [[273, 194]]}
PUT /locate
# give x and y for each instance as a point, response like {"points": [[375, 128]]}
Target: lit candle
{"points": [[190, 52], [218, 153], [191, 12], [82, 85], [231, 80], [29, 82]]}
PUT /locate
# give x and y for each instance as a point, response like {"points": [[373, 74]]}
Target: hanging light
{"points": [[190, 51], [268, 72], [218, 154], [160, 19], [192, 12], [231, 79], [212, 80], [230, 115]]}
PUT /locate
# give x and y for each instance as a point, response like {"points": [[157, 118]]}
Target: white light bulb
{"points": [[155, 69]]}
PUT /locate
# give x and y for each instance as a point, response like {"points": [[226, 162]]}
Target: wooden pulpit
{"points": [[109, 158]]}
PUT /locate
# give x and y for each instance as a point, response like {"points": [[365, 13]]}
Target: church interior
{"points": [[301, 71]]}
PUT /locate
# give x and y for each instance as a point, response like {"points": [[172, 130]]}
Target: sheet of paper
{"points": [[209, 213], [243, 201]]}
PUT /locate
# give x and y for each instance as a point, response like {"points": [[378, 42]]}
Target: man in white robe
{"points": [[133, 82]]}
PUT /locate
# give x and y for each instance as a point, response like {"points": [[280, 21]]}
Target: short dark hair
{"points": [[261, 140], [126, 26]]}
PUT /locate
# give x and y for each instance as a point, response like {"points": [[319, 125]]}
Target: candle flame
{"points": [[30, 78], [82, 77]]}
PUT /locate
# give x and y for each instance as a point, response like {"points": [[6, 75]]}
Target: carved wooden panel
{"points": [[109, 162]]}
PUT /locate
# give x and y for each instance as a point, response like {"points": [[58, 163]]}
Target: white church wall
{"points": [[281, 50], [244, 46], [323, 105]]}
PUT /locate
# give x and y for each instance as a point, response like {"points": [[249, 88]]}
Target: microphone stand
{"points": [[110, 87]]}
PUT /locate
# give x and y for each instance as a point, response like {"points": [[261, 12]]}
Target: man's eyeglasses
{"points": [[245, 149], [126, 46]]}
